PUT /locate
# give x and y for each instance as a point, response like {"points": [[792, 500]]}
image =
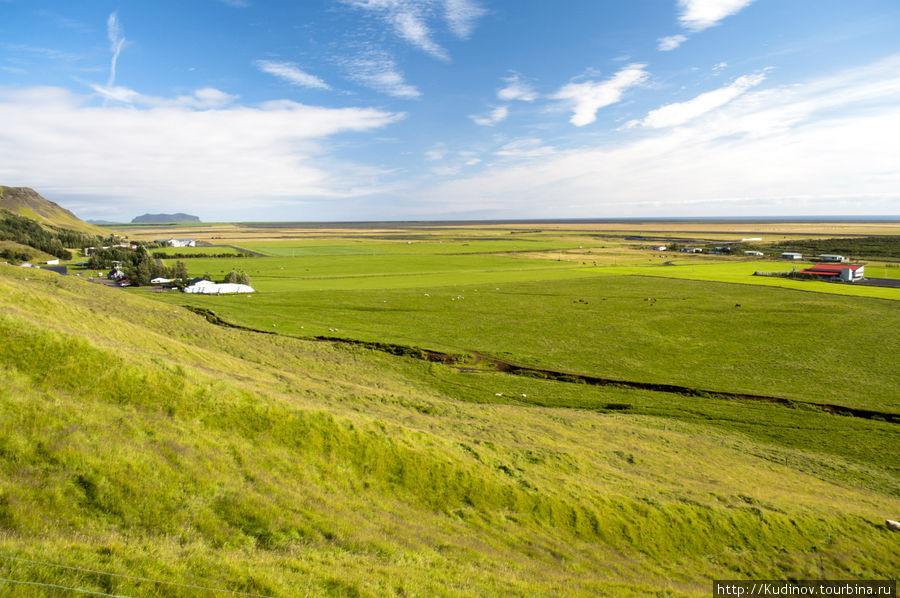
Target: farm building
{"points": [[829, 257], [848, 273], [207, 287], [181, 242], [691, 250], [788, 255], [756, 253]]}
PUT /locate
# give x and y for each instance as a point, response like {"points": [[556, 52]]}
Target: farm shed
{"points": [[829, 257], [756, 253], [789, 255], [206, 287], [181, 242], [848, 273]]}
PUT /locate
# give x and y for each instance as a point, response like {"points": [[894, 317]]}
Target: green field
{"points": [[145, 444], [643, 324]]}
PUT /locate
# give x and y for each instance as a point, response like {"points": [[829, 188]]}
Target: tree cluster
{"points": [[170, 256], [50, 239], [237, 278]]}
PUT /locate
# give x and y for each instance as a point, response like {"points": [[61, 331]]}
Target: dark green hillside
{"points": [[26, 202], [140, 440]]}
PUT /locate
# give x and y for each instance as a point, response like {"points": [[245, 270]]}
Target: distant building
{"points": [[691, 250], [847, 273], [756, 253], [207, 287], [659, 248], [181, 242], [788, 255], [751, 239], [829, 257], [53, 262]]}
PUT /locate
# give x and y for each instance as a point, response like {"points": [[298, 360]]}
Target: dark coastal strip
{"points": [[508, 367]]}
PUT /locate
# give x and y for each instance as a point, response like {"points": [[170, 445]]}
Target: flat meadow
{"points": [[596, 305]]}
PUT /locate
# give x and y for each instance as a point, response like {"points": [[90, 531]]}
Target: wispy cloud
{"points": [[588, 97], [414, 20], [408, 20], [290, 72], [670, 43], [516, 89], [678, 113], [116, 41], [529, 147], [697, 15], [490, 119], [165, 151], [378, 71], [462, 16]]}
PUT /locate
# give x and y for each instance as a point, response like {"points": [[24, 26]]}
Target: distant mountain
{"points": [[164, 218], [26, 202]]}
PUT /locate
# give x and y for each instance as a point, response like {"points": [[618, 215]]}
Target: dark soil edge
{"points": [[508, 367]]}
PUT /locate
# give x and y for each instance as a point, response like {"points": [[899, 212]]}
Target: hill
{"points": [[26, 202], [165, 218], [144, 441]]}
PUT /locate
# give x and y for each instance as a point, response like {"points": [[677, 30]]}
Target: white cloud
{"points": [[173, 152], [516, 89], [719, 67], [590, 96], [697, 15], [379, 72], [827, 146], [202, 99], [462, 15], [672, 115], [670, 43], [492, 118], [291, 73]]}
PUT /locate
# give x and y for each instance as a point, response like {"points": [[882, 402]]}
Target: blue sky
{"points": [[446, 109]]}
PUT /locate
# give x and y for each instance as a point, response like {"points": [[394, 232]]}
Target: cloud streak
{"points": [[378, 71], [116, 42], [290, 72], [516, 89], [588, 97], [495, 116], [679, 113]]}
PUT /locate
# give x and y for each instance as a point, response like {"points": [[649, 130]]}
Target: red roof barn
{"points": [[845, 272]]}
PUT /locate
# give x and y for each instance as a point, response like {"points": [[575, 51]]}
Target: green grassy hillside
{"points": [[140, 440], [26, 202]]}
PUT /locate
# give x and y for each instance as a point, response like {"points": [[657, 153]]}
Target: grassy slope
{"points": [[28, 203], [144, 441]]}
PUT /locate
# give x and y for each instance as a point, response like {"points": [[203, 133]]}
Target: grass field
{"points": [[146, 442], [141, 440]]}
